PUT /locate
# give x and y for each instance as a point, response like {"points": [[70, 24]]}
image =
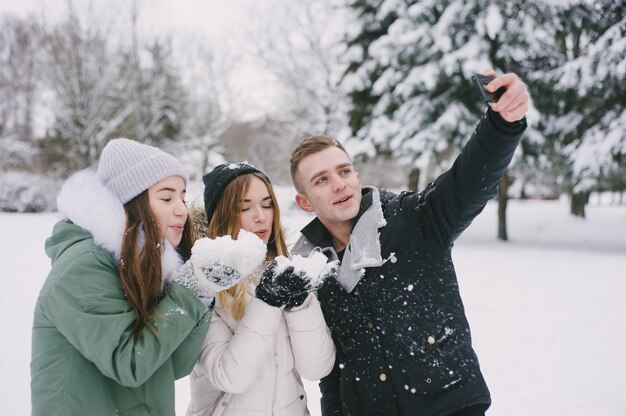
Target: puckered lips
{"points": [[179, 228], [262, 233]]}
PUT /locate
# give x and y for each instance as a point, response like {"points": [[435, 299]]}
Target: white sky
{"points": [[209, 16]]}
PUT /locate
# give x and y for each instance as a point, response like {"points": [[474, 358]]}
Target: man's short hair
{"points": [[308, 146]]}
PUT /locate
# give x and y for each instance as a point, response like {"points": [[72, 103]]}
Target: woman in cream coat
{"points": [[261, 339]]}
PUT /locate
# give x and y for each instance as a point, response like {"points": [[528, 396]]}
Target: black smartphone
{"points": [[480, 81]]}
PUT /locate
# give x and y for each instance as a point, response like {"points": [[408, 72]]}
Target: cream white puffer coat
{"points": [[257, 362]]}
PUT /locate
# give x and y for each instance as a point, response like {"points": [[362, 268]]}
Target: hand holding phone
{"points": [[480, 82]]}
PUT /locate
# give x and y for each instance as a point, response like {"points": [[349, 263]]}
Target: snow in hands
{"points": [[315, 268], [223, 257]]}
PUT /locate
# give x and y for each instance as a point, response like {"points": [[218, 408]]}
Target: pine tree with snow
{"points": [[156, 94], [580, 73], [408, 79], [410, 70]]}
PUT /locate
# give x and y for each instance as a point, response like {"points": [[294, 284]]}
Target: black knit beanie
{"points": [[216, 181]]}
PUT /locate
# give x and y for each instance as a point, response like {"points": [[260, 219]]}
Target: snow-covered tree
{"points": [[410, 69], [18, 78], [155, 86], [105, 86], [84, 74], [299, 46], [582, 79], [410, 64], [19, 89], [155, 93], [211, 105]]}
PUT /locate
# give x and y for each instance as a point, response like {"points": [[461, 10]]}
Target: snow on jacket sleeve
{"points": [[450, 203], [233, 361], [88, 307], [311, 343]]}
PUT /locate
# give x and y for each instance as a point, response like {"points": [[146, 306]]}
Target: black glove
{"points": [[282, 287], [296, 301]]}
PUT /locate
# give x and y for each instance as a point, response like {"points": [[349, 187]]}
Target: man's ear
{"points": [[303, 203]]}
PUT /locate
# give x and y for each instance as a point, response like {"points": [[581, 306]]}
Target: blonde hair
{"points": [[226, 220]]}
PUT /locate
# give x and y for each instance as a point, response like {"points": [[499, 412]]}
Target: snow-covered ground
{"points": [[547, 309]]}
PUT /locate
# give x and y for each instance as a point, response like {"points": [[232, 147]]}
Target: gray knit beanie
{"points": [[127, 168]]}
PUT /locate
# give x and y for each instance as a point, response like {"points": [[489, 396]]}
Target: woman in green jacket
{"points": [[120, 317]]}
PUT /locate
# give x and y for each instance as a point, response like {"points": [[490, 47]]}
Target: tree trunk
{"points": [[503, 199], [414, 179], [578, 200]]}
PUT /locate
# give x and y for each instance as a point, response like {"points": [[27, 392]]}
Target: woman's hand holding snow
{"points": [[287, 283], [220, 263]]}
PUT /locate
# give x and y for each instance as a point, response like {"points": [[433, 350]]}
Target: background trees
{"points": [[388, 77], [83, 75], [581, 85], [19, 86], [408, 80]]}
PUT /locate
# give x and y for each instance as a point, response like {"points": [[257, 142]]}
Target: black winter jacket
{"points": [[403, 341]]}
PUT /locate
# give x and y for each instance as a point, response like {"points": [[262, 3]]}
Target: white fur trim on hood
{"points": [[86, 202]]}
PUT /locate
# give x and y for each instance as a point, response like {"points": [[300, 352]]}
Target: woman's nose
{"points": [[181, 209], [259, 215]]}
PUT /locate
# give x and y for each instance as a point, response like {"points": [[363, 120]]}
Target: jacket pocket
{"points": [[439, 363], [216, 409], [297, 406]]}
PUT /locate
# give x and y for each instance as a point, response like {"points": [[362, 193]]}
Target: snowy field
{"points": [[547, 309]]}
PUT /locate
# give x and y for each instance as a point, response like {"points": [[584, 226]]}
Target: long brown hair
{"points": [[226, 220], [140, 261]]}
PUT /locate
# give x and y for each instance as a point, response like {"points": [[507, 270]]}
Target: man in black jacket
{"points": [[403, 341]]}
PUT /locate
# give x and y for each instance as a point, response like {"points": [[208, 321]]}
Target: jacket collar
{"points": [[363, 249], [317, 233]]}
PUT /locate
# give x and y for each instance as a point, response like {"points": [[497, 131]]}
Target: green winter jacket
{"points": [[85, 360]]}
